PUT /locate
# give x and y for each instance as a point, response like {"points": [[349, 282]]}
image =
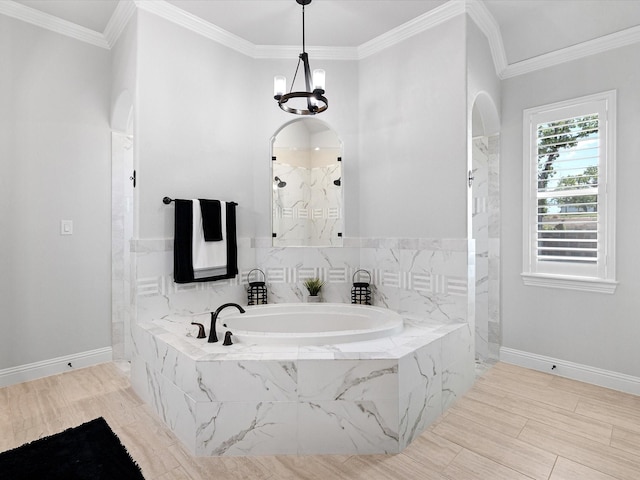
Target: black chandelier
{"points": [[316, 102]]}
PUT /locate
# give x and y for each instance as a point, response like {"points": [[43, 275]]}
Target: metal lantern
{"points": [[361, 291], [257, 291]]}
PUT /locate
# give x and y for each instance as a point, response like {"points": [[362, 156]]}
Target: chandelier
{"points": [[313, 99]]}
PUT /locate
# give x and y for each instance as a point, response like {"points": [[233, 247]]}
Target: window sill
{"points": [[595, 285]]}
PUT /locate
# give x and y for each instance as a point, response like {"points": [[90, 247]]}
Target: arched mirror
{"points": [[307, 185]]}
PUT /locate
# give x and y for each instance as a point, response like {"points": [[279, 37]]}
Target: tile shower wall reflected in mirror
{"points": [[307, 185]]}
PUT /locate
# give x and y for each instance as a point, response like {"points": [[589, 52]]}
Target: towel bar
{"points": [[167, 201]]}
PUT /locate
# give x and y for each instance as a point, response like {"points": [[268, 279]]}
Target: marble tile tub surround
{"points": [[236, 400], [416, 277], [354, 398]]}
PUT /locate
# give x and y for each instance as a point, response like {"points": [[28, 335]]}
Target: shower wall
{"points": [[486, 232], [308, 209]]}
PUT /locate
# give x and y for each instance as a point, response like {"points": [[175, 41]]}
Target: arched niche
{"points": [[122, 113], [307, 185], [485, 120]]}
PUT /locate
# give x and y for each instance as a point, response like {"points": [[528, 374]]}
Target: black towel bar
{"points": [[167, 201]]}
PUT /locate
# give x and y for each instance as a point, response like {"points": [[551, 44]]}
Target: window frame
{"points": [[600, 277]]}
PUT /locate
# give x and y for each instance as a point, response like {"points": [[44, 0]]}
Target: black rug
{"points": [[88, 452]]}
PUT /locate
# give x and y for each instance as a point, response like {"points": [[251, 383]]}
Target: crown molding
{"points": [[121, 16], [476, 10], [602, 44], [489, 26], [197, 25], [283, 52], [54, 24], [419, 24]]}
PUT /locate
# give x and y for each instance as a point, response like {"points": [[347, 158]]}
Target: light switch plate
{"points": [[66, 227]]}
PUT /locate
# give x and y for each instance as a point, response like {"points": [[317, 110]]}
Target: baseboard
{"points": [[574, 371], [33, 371]]}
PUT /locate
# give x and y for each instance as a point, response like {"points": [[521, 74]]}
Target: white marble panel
{"points": [[346, 427], [419, 409], [388, 297], [138, 377], [421, 368], [347, 380], [247, 428], [177, 410], [456, 380], [457, 346], [246, 381], [154, 263]]}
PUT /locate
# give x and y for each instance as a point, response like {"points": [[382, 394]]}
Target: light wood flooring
{"points": [[513, 424]]}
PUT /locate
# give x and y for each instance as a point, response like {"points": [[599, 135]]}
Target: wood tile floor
{"points": [[513, 424]]}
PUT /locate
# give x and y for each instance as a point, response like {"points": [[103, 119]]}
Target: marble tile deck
{"points": [[353, 398]]}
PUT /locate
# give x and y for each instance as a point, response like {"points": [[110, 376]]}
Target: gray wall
{"points": [[194, 134], [593, 329], [55, 164], [206, 116], [413, 144]]}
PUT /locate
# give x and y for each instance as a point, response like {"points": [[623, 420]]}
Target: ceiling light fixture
{"points": [[316, 102]]}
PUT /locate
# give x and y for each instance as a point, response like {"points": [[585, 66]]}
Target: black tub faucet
{"points": [[213, 336]]}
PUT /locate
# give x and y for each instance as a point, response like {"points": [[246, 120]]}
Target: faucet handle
{"points": [[200, 329], [227, 338]]}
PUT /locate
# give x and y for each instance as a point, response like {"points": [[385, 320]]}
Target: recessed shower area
{"points": [[484, 182]]}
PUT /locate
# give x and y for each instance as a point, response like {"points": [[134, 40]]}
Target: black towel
{"points": [[182, 244], [232, 242], [211, 220]]}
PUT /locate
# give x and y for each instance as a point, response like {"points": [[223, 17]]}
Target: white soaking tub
{"points": [[309, 324]]}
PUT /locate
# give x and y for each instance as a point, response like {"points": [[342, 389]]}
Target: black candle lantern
{"points": [[361, 291], [257, 291]]}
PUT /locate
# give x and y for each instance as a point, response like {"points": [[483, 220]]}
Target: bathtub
{"points": [[309, 324], [362, 396]]}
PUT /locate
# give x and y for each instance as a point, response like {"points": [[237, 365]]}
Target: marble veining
{"points": [[353, 398], [350, 398]]}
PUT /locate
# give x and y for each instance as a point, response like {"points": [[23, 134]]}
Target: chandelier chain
{"points": [[303, 42]]}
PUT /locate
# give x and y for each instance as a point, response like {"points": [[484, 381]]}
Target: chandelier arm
{"points": [[295, 74], [307, 79]]}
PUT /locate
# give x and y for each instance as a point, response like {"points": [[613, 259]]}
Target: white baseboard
{"points": [[574, 371], [33, 371]]}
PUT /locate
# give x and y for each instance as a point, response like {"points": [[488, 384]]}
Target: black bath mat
{"points": [[88, 452]]}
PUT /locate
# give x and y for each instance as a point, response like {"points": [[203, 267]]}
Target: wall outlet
{"points": [[66, 227]]}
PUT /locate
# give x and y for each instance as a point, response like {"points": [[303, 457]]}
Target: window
{"points": [[569, 194]]}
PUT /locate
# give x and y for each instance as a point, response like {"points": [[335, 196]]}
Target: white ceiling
{"points": [[529, 28], [91, 14], [534, 27]]}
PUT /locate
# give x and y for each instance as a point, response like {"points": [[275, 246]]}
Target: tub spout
{"points": [[213, 336]]}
